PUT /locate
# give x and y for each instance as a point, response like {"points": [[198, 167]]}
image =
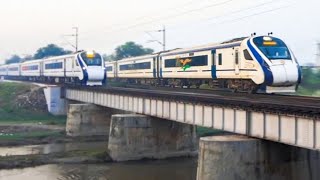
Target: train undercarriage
{"points": [[234, 85]]}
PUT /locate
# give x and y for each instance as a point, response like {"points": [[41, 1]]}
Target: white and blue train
{"points": [[257, 63], [85, 67]]}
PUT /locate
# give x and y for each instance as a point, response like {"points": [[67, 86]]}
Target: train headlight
{"points": [[84, 68]]}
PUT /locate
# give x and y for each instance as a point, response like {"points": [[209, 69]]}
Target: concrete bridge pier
{"points": [[57, 105], [134, 137], [87, 120], [238, 157]]}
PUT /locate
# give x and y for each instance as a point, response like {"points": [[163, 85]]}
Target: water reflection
{"points": [[175, 169]]}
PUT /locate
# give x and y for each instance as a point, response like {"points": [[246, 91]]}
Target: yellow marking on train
{"points": [[270, 43]]}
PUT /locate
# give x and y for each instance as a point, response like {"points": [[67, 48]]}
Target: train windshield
{"points": [[272, 48], [91, 58]]}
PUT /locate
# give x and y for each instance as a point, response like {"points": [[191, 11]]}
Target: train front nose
{"points": [[285, 73], [95, 75]]}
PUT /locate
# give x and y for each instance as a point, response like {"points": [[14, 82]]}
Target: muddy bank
{"points": [[72, 157]]}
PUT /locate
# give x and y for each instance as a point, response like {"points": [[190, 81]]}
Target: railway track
{"points": [[284, 104]]}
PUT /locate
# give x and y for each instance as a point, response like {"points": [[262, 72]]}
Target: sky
{"points": [[105, 24]]}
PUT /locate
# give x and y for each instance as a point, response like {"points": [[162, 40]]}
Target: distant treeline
{"points": [[128, 49], [49, 50]]}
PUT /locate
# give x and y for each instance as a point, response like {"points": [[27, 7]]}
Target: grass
{"points": [[10, 113], [30, 135], [203, 131], [97, 153]]}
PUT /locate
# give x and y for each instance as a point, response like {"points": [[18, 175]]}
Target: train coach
{"points": [[251, 64], [85, 67]]}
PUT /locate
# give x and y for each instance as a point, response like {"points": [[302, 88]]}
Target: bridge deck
{"points": [[292, 120]]}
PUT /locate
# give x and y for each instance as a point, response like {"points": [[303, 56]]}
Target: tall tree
{"points": [[13, 59], [131, 49], [50, 50], [109, 57]]}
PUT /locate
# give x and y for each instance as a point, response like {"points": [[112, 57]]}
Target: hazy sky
{"points": [[27, 25]]}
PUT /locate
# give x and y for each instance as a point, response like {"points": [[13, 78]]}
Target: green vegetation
{"points": [[310, 85], [10, 113], [129, 49], [203, 131], [49, 50], [95, 153], [22, 136]]}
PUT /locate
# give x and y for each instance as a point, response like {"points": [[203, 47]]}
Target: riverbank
{"points": [[46, 144], [30, 136], [71, 157], [25, 122]]}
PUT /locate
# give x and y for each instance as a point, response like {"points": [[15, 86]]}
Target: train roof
{"points": [[13, 64], [225, 44], [139, 57]]}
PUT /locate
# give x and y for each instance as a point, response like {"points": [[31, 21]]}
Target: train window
{"points": [[272, 48], [13, 69], [193, 61], [54, 65], [109, 68], [95, 60], [30, 68], [170, 63], [220, 59], [246, 54], [123, 67], [144, 65], [237, 57], [199, 61]]}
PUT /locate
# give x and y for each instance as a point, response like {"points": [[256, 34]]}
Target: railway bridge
{"points": [[289, 120], [292, 120]]}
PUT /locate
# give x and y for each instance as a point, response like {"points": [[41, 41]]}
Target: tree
{"points": [[13, 59], [109, 57], [131, 49], [27, 58], [50, 50]]}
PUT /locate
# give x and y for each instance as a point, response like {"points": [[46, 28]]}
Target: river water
{"points": [[173, 169]]}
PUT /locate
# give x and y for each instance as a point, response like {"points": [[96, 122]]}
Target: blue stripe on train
{"points": [[268, 77], [84, 71], [213, 67], [214, 72]]}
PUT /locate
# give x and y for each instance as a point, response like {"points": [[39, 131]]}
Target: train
{"points": [[248, 64], [81, 68]]}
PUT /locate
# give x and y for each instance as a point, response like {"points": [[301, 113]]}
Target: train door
{"points": [[236, 61], [116, 69], [41, 68], [65, 67]]}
